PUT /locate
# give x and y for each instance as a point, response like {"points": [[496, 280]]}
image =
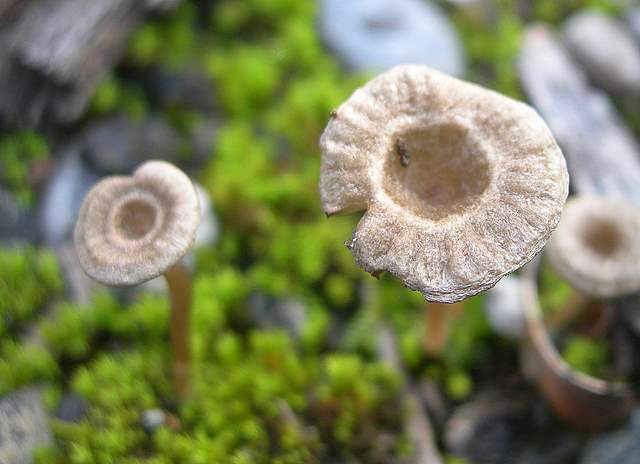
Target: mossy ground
{"points": [[257, 395]]}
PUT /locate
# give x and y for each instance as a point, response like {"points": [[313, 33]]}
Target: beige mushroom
{"points": [[461, 185], [596, 246], [132, 229]]}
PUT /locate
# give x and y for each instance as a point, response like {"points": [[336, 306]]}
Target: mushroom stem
{"points": [[178, 280], [437, 319]]}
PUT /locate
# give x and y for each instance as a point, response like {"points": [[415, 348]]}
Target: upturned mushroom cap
{"points": [[132, 229], [461, 185], [596, 246]]}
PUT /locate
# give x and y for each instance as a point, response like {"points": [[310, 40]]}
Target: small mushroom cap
{"points": [[132, 229], [596, 246], [461, 185]]}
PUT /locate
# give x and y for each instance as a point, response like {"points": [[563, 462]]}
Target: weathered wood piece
{"points": [[602, 154], [54, 55]]}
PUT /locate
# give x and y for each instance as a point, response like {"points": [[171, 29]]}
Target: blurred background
{"points": [[298, 356]]}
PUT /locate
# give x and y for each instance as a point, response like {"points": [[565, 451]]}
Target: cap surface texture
{"points": [[132, 229], [461, 185]]}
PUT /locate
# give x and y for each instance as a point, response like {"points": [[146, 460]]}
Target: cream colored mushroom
{"points": [[596, 246], [132, 229], [461, 185]]}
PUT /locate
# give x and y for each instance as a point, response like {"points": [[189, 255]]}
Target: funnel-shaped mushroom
{"points": [[461, 185], [132, 229], [596, 246]]}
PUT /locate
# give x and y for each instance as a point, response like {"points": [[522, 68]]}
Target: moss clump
{"points": [[29, 279], [20, 152], [255, 399], [554, 292], [23, 364], [587, 355]]}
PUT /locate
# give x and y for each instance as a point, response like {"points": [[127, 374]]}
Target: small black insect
{"points": [[403, 153], [333, 114]]}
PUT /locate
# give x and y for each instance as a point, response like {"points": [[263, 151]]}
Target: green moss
{"points": [[555, 12], [458, 385], [29, 279], [20, 152], [170, 43], [75, 331], [492, 46], [22, 364], [468, 336], [247, 77], [554, 292], [114, 95], [587, 355]]}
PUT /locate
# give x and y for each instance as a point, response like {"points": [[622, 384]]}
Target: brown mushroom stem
{"points": [[178, 280], [438, 317]]}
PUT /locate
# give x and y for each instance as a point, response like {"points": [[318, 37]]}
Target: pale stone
{"points": [[461, 184], [606, 49], [504, 308]]}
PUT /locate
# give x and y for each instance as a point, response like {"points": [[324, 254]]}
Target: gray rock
{"points": [[72, 408], [602, 154], [117, 145], [80, 286], [63, 195], [606, 49], [190, 89], [490, 429], [619, 447], [203, 139], [632, 18], [23, 426], [273, 313], [504, 308], [553, 448], [17, 224], [152, 419], [208, 229], [161, 5], [435, 402], [374, 35]]}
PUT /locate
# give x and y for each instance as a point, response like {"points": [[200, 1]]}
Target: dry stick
{"points": [[437, 319], [418, 427], [179, 281]]}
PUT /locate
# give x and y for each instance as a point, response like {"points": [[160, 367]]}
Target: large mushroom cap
{"points": [[461, 185], [132, 229], [596, 246]]}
